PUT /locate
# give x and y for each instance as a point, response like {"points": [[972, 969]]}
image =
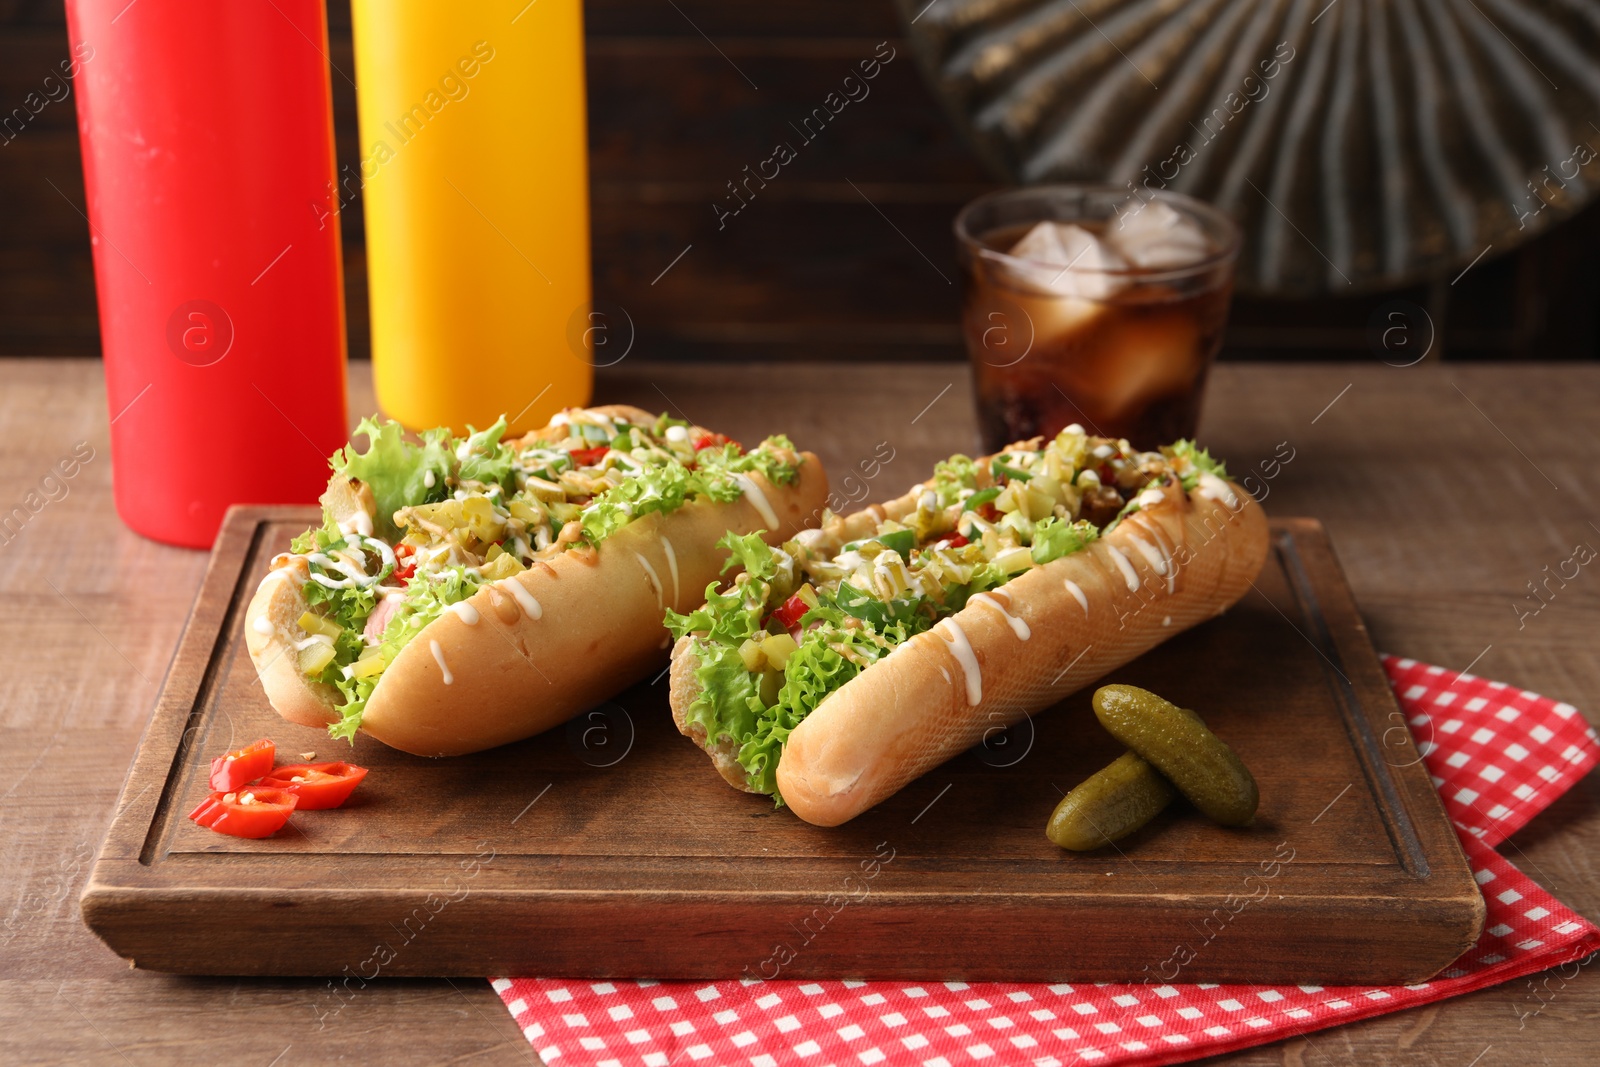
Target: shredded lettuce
{"points": [[1200, 462], [489, 476], [395, 469], [663, 488], [324, 537], [951, 476], [765, 460], [426, 600], [1054, 538], [667, 487], [758, 559], [843, 634], [347, 607], [486, 459]]}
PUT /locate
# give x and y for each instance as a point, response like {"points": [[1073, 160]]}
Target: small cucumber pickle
{"points": [[1179, 745], [1110, 805]]}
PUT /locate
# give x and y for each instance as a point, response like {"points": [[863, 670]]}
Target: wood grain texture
{"points": [[810, 270], [82, 669], [430, 861]]}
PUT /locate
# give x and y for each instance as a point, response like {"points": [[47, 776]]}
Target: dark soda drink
{"points": [[1094, 306]]}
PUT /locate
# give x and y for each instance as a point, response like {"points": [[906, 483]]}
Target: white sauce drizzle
{"points": [[438, 657], [1152, 555], [465, 612], [1123, 566], [287, 574], [314, 639], [677, 433], [758, 500], [1151, 497], [961, 649], [1161, 539], [672, 566], [1213, 488], [945, 673], [262, 624], [655, 581], [428, 479], [352, 575], [530, 607], [1077, 592], [1018, 626]]}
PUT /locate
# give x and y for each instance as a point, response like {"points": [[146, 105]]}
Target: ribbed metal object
{"points": [[1361, 144]]}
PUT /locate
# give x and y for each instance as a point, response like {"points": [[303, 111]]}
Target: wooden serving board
{"points": [[612, 849]]}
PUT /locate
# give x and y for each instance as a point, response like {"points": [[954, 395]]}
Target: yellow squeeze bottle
{"points": [[475, 180]]}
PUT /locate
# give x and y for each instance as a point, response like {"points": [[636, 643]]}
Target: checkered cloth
{"points": [[1498, 755]]}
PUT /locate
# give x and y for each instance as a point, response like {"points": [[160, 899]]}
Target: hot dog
{"points": [[843, 664], [463, 593]]}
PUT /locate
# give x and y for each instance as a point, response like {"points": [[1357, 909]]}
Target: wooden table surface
{"points": [[1446, 490]]}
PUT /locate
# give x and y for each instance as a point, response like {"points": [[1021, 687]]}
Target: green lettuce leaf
{"points": [[663, 488], [834, 648], [951, 476], [427, 597], [395, 469], [666, 488], [763, 459], [347, 607], [1201, 460], [487, 460], [759, 559], [1054, 538]]}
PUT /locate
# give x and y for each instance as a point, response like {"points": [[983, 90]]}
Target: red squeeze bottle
{"points": [[208, 161]]}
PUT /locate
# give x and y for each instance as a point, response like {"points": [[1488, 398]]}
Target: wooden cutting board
{"points": [[611, 848]]}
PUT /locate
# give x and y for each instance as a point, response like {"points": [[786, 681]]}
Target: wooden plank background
{"points": [[811, 269], [1439, 524]]}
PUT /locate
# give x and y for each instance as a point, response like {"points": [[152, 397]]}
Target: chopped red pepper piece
{"points": [[242, 765], [716, 440], [254, 811], [317, 786], [955, 540], [791, 611], [588, 457]]}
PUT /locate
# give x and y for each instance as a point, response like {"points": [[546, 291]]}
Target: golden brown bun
{"points": [[599, 628], [279, 600], [912, 710]]}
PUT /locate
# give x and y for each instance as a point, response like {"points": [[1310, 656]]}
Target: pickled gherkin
{"points": [[1179, 745], [1110, 805]]}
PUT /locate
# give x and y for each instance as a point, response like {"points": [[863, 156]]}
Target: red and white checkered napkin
{"points": [[1498, 755]]}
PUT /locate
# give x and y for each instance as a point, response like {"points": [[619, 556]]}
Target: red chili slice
{"points": [[588, 457], [242, 765], [255, 811], [317, 786]]}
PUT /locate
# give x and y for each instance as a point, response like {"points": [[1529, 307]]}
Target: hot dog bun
{"points": [[915, 709], [577, 628]]}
